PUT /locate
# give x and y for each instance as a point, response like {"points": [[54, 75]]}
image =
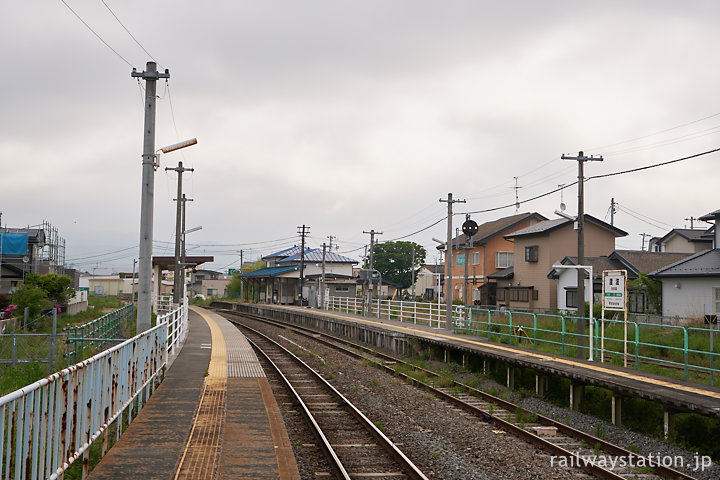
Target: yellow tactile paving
{"points": [[199, 460], [546, 358]]}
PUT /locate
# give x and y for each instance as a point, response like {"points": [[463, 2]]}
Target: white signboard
{"points": [[614, 290]]}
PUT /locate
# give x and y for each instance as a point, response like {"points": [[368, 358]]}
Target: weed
{"points": [[380, 426], [374, 383], [632, 448], [597, 448], [206, 373], [436, 455], [331, 376], [353, 389], [600, 430], [491, 408]]}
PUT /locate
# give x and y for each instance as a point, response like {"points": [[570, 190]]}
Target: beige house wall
{"points": [[553, 246]]}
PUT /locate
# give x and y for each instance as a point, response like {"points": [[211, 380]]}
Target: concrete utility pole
{"points": [[150, 76], [412, 269], [612, 211], [179, 230], [692, 222], [322, 292], [242, 296], [183, 263], [303, 232], [368, 279], [643, 241], [448, 263], [331, 244], [581, 159]]}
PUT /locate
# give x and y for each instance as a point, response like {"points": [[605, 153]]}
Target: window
{"points": [[460, 260], [531, 254], [503, 259], [342, 289], [519, 295], [500, 294], [571, 298], [476, 258], [212, 292]]}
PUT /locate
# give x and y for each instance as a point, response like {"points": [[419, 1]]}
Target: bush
{"points": [[31, 296]]}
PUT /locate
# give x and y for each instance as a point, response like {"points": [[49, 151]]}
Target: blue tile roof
{"points": [[315, 256], [288, 252], [270, 271]]}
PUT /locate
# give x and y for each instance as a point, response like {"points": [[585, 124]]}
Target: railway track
{"points": [[579, 449], [354, 446]]}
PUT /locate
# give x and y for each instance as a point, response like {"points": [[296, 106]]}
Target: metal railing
{"points": [[98, 334], [47, 426], [671, 350]]}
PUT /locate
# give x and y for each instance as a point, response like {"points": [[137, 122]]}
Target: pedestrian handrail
{"points": [[177, 322], [679, 350]]}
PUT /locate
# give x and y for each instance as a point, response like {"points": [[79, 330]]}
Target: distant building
{"points": [[682, 240]]}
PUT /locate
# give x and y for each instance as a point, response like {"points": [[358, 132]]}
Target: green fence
{"points": [[96, 335], [677, 351]]}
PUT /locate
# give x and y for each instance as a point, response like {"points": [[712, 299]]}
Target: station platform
{"points": [[213, 417], [675, 395]]}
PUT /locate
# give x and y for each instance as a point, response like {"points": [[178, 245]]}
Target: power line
{"points": [[131, 35], [628, 210], [97, 34], [647, 167], [657, 133]]}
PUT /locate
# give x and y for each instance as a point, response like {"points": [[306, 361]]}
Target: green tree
{"points": [[57, 287], [233, 287], [394, 261], [31, 296]]}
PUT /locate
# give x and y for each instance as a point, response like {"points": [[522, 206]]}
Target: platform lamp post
{"points": [[589, 269], [182, 260]]}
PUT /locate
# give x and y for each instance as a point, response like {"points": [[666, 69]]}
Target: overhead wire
{"points": [[97, 34], [129, 33]]}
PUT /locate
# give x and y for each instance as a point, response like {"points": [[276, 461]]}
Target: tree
{"points": [[653, 289], [233, 287], [31, 296], [57, 287], [394, 261]]}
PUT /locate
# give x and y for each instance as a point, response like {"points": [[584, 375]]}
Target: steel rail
{"points": [[659, 469], [408, 466]]}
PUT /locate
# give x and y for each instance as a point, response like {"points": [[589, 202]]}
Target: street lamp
{"points": [[589, 269], [182, 261], [150, 163]]}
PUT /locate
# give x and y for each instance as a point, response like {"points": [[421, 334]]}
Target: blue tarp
{"points": [[13, 243]]}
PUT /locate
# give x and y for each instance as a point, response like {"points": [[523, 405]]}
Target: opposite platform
{"points": [[214, 416]]}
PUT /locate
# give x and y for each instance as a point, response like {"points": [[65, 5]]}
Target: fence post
{"points": [[686, 351], [563, 334], [637, 346], [401, 311], [489, 323], [534, 331], [414, 312], [14, 350], [53, 339], [511, 329]]}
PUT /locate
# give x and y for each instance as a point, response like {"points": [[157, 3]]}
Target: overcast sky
{"points": [[351, 116]]}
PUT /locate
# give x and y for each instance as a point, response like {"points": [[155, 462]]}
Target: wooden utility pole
{"points": [[581, 159]]}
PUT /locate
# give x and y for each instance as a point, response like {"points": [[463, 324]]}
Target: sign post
{"points": [[614, 297]]}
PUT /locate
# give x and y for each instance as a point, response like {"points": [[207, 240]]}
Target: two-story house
{"points": [[683, 240], [537, 248], [488, 252]]}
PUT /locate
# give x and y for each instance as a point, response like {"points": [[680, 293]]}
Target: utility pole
{"points": [[331, 244], [612, 211], [150, 76], [581, 159], [179, 230], [692, 221], [322, 292], [303, 232], [132, 295], [448, 263], [368, 280], [412, 269], [643, 241], [242, 296], [183, 263], [517, 201]]}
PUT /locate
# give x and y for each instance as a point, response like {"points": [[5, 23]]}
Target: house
{"points": [[20, 254], [280, 279], [208, 283], [488, 252], [682, 240], [429, 281], [634, 261], [691, 287], [536, 248]]}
